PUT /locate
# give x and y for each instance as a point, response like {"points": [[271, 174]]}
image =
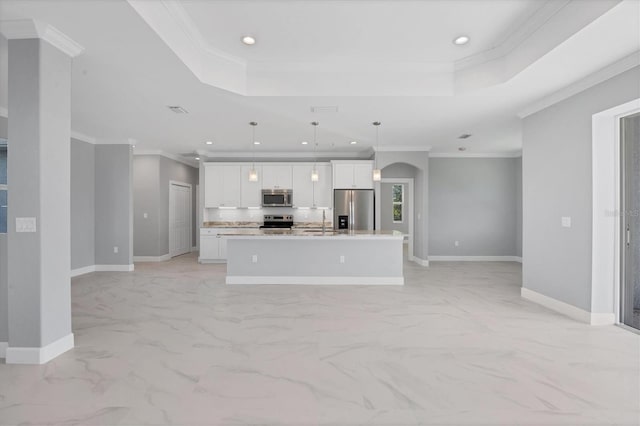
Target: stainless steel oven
{"points": [[277, 198]]}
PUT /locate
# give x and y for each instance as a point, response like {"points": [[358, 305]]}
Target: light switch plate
{"points": [[25, 224], [566, 222]]}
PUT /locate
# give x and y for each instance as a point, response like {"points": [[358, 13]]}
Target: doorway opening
{"points": [[395, 209], [179, 218]]}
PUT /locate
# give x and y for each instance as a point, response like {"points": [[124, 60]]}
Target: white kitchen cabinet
{"points": [[222, 185], [277, 176], [307, 193], [323, 188], [213, 246], [352, 175], [250, 191]]}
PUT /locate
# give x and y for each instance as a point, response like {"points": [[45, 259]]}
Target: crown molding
{"points": [[403, 148], [512, 154], [164, 154], [610, 71], [30, 28]]}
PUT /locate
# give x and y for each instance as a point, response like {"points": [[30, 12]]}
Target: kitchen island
{"points": [[314, 257]]}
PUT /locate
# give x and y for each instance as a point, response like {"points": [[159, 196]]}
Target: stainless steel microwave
{"points": [[277, 198]]}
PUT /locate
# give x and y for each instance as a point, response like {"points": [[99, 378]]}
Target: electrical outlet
{"points": [[341, 259], [115, 249], [456, 243], [254, 258], [145, 215], [566, 222]]}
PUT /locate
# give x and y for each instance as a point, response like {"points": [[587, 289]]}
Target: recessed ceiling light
{"points": [[197, 158], [461, 40], [248, 40], [209, 142], [353, 142], [256, 143], [304, 143]]}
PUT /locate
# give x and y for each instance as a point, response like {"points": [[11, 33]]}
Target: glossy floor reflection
{"points": [[171, 344]]}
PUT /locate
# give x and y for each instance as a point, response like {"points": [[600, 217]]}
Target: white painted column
{"points": [[39, 191]]}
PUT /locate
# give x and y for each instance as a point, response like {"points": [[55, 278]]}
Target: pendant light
{"points": [[314, 173], [377, 174], [253, 174]]}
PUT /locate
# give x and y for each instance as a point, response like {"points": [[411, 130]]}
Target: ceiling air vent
{"points": [[319, 109], [464, 136], [178, 109]]}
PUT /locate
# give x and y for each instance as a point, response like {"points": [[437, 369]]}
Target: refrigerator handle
{"points": [[352, 213]]}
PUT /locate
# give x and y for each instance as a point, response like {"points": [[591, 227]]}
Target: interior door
{"points": [[630, 294], [179, 219]]}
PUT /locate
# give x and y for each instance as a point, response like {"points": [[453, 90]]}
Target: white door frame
{"points": [[171, 201], [606, 223], [410, 204]]}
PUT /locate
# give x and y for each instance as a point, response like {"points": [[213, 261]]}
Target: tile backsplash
{"points": [[256, 215]]}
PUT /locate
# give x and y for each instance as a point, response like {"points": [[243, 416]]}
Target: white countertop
{"points": [[307, 234]]}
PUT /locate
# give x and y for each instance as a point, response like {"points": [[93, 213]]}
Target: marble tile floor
{"points": [[171, 344]]}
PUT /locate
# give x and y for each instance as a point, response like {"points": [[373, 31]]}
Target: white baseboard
{"points": [[421, 262], [316, 280], [567, 309], [3, 349], [475, 259], [115, 268], [84, 270], [162, 258], [39, 355]]}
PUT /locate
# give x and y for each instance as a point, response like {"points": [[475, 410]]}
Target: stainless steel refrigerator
{"points": [[353, 210]]}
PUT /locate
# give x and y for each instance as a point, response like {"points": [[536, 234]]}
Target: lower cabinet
{"points": [[213, 246]]}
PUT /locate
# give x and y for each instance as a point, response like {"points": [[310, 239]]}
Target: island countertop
{"points": [[311, 234]]}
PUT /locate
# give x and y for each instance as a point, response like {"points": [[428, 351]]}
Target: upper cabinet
{"points": [[307, 193], [222, 185], [352, 174], [250, 191], [277, 176]]}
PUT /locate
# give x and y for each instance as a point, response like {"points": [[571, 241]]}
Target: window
{"points": [[397, 196], [3, 186]]}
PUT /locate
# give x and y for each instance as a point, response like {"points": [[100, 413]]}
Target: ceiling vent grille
{"points": [[178, 109], [320, 109], [464, 136]]}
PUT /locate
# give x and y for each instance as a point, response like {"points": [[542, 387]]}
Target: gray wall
{"points": [[152, 174], [82, 204], [519, 207], [473, 201], [557, 176], [4, 291], [386, 205], [114, 205]]}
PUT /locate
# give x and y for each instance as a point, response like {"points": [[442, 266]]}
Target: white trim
{"points": [[3, 349], [233, 280], [4, 112], [40, 355], [571, 311], [605, 228], [511, 154], [285, 155], [475, 259], [591, 80], [115, 268], [162, 258], [82, 137], [30, 28], [84, 270], [206, 261], [173, 183], [192, 163], [421, 262]]}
